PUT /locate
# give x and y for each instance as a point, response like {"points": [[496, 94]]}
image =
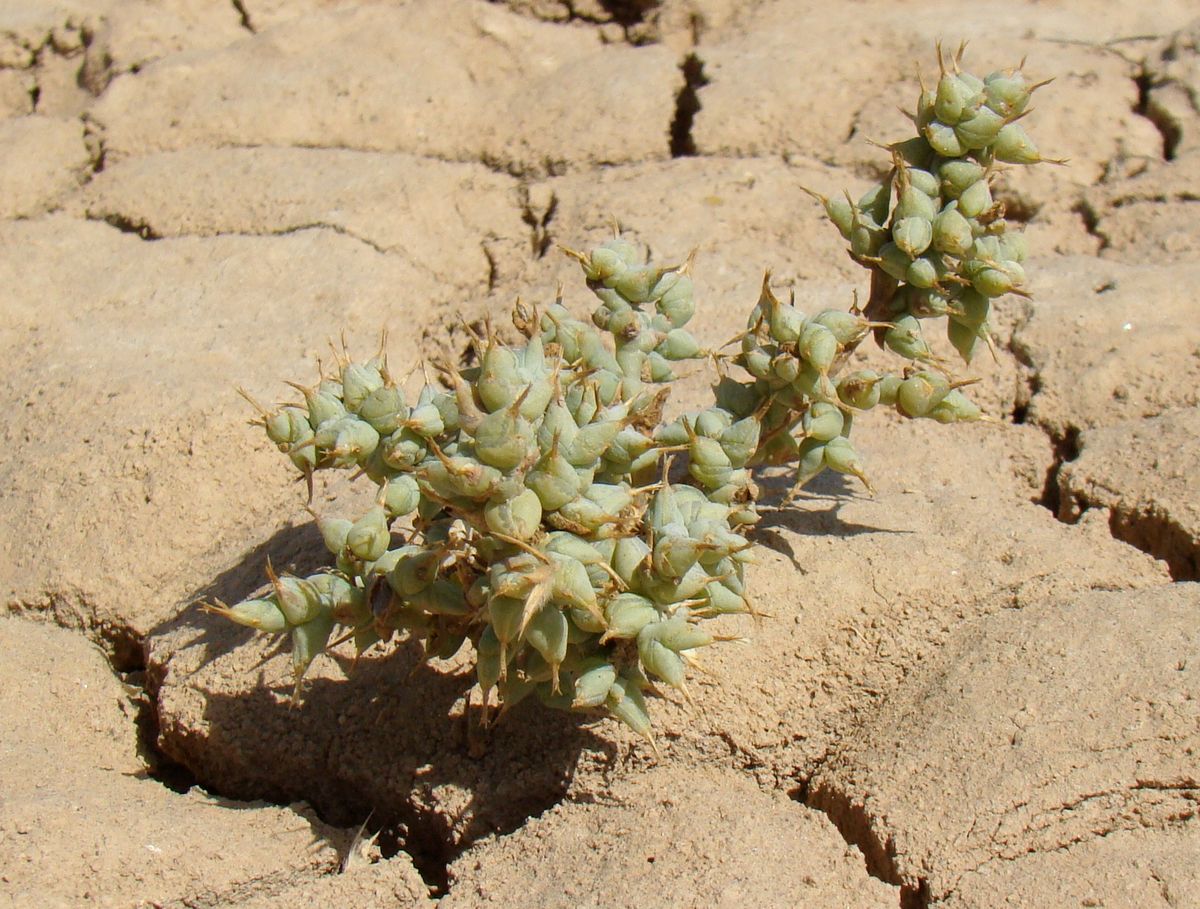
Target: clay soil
{"points": [[979, 687]]}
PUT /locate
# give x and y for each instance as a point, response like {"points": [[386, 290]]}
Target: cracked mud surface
{"points": [[977, 688]]}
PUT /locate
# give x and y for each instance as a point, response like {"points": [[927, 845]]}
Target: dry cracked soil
{"points": [[979, 687]]}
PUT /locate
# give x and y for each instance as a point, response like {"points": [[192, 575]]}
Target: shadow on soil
{"points": [[395, 741]]}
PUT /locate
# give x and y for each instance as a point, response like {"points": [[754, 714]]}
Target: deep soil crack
{"points": [[1167, 126], [687, 105]]}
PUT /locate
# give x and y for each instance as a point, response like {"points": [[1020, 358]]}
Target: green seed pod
{"points": [[914, 204], [369, 537], [926, 303], [923, 273], [678, 634], [547, 634], [816, 385], [657, 659], [956, 174], [468, 478], [323, 405], [860, 389], [403, 450], [944, 140], [443, 597], [756, 362], [954, 100], [740, 440], [676, 305], [841, 456], [904, 337], [822, 421], [572, 586], [659, 368], [287, 427], [591, 442], [735, 397], [675, 554], [308, 641], [964, 338], [297, 599], [847, 327], [629, 554], [384, 409], [952, 232], [262, 615], [334, 532], [593, 684], [584, 514], [678, 345], [818, 346], [348, 441], [921, 392], [956, 408], [427, 420], [840, 213], [707, 453], [626, 703], [602, 264], [894, 261], [889, 386], [711, 475], [875, 201], [1007, 93], [975, 199], [628, 613], [505, 615], [503, 438], [866, 236], [1013, 146], [711, 422], [926, 101], [992, 282], [401, 495], [1013, 247], [974, 309], [810, 461], [980, 129], [915, 152], [913, 235], [520, 517], [723, 601], [554, 480], [923, 181], [499, 380], [635, 284], [785, 368], [358, 381], [488, 661], [414, 571]]}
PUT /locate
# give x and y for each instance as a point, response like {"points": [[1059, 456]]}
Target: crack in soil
{"points": [[1168, 126], [687, 105], [239, 7], [540, 237]]}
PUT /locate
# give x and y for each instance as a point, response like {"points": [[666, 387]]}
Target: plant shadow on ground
{"points": [[395, 742], [815, 512]]}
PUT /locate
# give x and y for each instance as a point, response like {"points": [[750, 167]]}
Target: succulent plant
{"points": [[528, 504]]}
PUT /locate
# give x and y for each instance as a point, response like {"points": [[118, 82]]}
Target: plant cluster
{"points": [[528, 503]]}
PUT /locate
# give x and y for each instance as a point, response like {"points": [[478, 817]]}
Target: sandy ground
{"points": [[979, 688]]}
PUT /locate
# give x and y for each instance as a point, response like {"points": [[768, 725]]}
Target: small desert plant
{"points": [[526, 504]]}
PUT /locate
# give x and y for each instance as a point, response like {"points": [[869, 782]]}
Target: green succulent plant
{"points": [[527, 504]]}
